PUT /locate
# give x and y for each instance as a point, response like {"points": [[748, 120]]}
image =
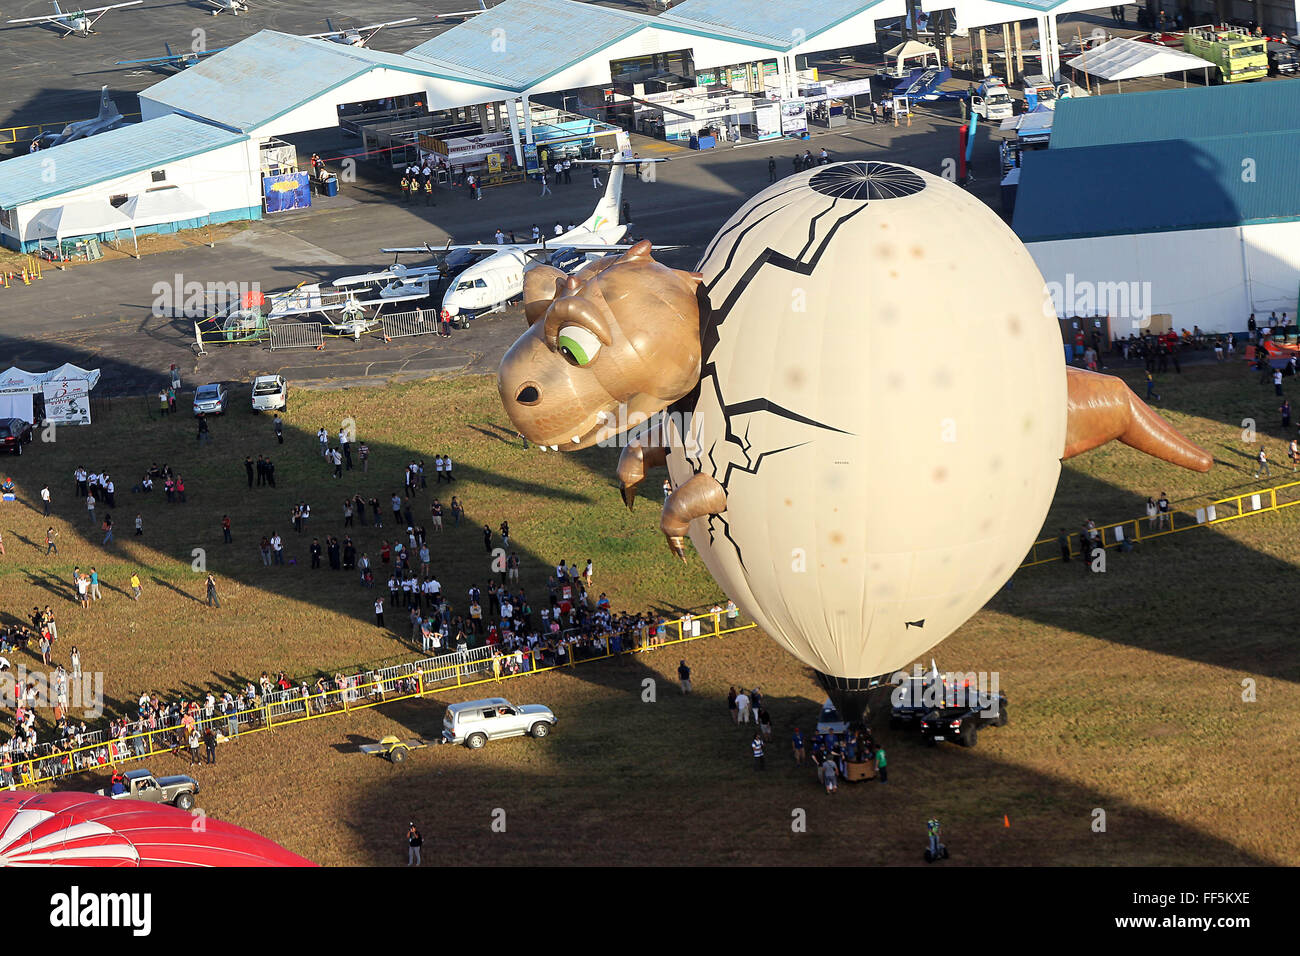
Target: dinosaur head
{"points": [[605, 348]]}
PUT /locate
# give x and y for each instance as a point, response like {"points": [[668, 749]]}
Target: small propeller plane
{"points": [[462, 14], [356, 36], [80, 23], [227, 6], [182, 60]]}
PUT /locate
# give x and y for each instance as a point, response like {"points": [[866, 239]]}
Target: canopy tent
{"points": [[167, 205], [1122, 59], [67, 372], [72, 220], [14, 379], [911, 50], [67, 386]]}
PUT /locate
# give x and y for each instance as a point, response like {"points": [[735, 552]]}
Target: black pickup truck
{"points": [[943, 710], [962, 723]]}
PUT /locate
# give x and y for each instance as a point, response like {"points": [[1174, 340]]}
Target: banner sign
{"points": [[288, 191], [794, 116], [68, 403]]}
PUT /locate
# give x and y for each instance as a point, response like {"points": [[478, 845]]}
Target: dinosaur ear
{"points": [[542, 285]]}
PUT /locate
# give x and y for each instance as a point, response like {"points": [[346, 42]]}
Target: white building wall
{"points": [[594, 71], [322, 113], [1213, 278], [224, 180]]}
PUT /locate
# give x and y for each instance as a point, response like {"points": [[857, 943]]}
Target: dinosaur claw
{"points": [[628, 494], [677, 546]]}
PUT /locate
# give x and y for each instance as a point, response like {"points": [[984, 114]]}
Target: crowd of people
{"points": [[500, 629]]}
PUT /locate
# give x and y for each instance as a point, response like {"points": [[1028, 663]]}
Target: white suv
{"points": [[475, 722]]}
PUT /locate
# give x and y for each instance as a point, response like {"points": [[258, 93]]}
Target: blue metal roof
{"points": [[783, 24], [521, 42], [268, 74], [1200, 112], [1173, 184], [96, 159]]}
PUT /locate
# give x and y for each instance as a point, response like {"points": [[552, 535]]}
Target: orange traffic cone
{"points": [[1006, 822]]}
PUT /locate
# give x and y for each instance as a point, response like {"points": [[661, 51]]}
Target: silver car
{"points": [[210, 399], [475, 722]]}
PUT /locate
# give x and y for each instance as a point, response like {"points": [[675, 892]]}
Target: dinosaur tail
{"points": [[1102, 409]]}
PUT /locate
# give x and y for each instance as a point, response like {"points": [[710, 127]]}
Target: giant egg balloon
{"points": [[866, 406]]}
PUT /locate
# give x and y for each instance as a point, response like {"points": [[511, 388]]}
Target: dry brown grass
{"points": [[1125, 688]]}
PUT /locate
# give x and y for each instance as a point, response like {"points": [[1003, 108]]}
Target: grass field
{"points": [[1125, 688]]}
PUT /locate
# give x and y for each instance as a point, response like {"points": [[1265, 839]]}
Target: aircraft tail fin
{"points": [[57, 10], [107, 110], [166, 46], [606, 212]]}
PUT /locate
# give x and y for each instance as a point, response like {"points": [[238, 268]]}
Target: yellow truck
{"points": [[1237, 55]]}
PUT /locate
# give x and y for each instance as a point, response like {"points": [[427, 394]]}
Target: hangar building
{"points": [[1179, 202]]}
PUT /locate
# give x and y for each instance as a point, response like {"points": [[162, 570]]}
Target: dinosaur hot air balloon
{"points": [[83, 829], [875, 431]]}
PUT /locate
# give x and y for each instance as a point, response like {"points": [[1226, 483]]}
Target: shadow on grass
{"points": [[676, 784]]}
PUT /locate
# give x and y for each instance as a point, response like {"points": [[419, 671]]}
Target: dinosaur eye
{"points": [[578, 345]]}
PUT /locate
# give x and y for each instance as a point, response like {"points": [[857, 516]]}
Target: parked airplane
{"points": [[462, 14], [356, 36], [490, 283], [227, 6], [76, 22], [110, 117], [180, 61]]}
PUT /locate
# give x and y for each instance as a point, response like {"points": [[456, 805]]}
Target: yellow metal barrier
{"points": [[1246, 505], [123, 750]]}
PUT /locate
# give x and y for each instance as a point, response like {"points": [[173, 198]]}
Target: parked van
{"points": [[270, 393], [475, 722]]}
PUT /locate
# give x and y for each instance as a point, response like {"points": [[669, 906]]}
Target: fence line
{"points": [[1246, 505], [419, 322], [409, 681]]}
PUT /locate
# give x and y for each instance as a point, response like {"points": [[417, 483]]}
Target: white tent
{"points": [[86, 218], [1122, 59], [68, 372], [18, 389], [14, 379], [166, 205], [912, 50]]}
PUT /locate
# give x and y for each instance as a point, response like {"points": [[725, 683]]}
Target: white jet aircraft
{"points": [[76, 22], [356, 36], [490, 283], [110, 117]]}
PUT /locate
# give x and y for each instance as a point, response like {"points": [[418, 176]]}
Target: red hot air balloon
{"points": [[83, 829]]}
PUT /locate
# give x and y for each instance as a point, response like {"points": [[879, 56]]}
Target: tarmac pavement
{"points": [[102, 314]]}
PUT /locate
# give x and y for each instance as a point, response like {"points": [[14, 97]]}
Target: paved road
{"points": [[102, 314]]}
